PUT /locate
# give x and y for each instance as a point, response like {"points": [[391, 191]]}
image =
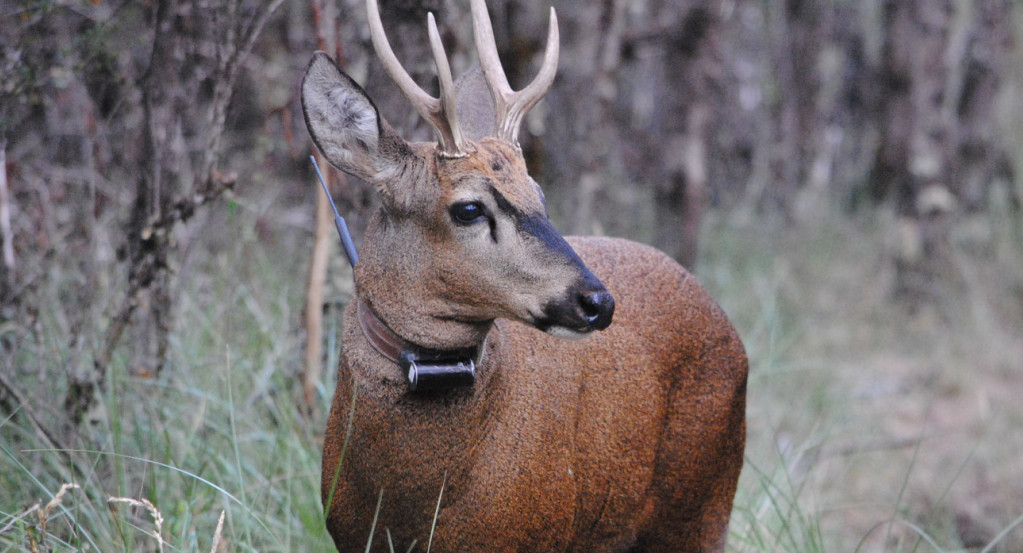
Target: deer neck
{"points": [[392, 280], [412, 333]]}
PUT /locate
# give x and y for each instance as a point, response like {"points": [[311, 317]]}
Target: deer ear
{"points": [[474, 105], [347, 128]]}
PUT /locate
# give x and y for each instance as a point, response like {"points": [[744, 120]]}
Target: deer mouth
{"points": [[579, 315]]}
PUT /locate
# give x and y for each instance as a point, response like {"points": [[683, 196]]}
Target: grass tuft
{"points": [[153, 511]]}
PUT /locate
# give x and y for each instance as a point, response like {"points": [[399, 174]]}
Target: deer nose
{"points": [[598, 308]]}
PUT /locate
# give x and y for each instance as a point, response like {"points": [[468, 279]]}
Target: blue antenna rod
{"points": [[339, 221]]}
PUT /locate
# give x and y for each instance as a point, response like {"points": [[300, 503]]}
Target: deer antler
{"points": [[440, 112], [510, 105]]}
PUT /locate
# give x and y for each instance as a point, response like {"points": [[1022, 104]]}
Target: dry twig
{"points": [[6, 234], [326, 39]]}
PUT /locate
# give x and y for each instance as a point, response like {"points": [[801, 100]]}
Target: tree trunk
{"points": [[200, 47], [936, 156]]}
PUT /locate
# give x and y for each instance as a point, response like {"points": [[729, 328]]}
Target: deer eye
{"points": [[468, 213]]}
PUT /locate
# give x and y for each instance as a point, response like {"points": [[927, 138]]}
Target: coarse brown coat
{"points": [[628, 439]]}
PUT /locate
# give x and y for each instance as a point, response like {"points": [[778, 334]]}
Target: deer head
{"points": [[462, 237]]}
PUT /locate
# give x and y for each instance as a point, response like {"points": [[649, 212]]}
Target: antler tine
{"points": [[440, 113], [510, 105], [447, 86]]}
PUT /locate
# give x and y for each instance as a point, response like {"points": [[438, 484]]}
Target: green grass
{"points": [[872, 427], [218, 432]]}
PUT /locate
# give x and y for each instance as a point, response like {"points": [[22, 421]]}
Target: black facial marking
{"points": [[540, 227], [504, 205], [536, 225]]}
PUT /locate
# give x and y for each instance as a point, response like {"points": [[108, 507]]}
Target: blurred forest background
{"points": [[843, 175]]}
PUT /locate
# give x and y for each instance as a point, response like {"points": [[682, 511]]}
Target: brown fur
{"points": [[630, 439]]}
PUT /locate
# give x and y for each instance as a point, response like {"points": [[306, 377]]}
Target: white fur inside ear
{"points": [[341, 119], [353, 118]]}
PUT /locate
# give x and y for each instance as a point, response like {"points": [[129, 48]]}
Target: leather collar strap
{"points": [[425, 368]]}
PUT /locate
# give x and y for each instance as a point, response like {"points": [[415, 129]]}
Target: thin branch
{"points": [[183, 209], [6, 234], [228, 65], [44, 434], [81, 394], [251, 34], [320, 257], [180, 211]]}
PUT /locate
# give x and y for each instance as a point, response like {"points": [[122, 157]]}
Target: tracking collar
{"points": [[425, 369]]}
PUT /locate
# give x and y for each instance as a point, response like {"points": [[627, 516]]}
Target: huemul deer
{"points": [[464, 420]]}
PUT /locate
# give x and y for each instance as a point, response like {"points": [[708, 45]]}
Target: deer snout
{"points": [[587, 308], [597, 307]]}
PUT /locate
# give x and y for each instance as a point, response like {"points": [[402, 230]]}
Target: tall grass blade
{"points": [[376, 515], [436, 512]]}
